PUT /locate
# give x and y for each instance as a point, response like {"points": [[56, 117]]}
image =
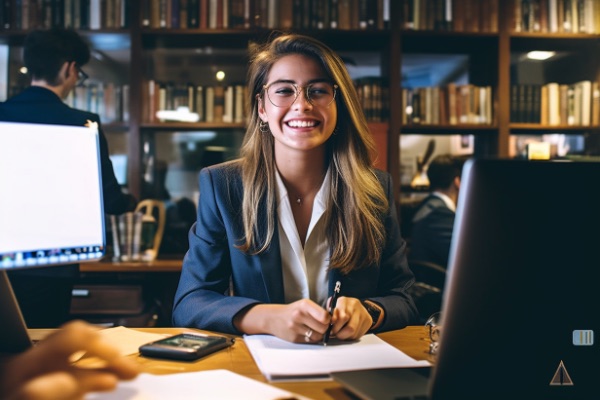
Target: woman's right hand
{"points": [[302, 321]]}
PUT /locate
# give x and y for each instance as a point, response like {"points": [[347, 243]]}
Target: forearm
{"points": [[255, 319]]}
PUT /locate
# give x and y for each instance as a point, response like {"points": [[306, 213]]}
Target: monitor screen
{"points": [[51, 209]]}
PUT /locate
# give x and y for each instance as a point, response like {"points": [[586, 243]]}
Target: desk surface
{"points": [[138, 266], [412, 340]]}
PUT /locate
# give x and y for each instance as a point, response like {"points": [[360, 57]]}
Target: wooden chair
{"points": [[427, 291], [155, 209]]}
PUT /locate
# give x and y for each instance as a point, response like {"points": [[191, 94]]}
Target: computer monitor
{"points": [[51, 209], [520, 313]]}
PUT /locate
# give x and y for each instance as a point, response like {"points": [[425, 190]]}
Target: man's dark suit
{"points": [[431, 232], [43, 292]]}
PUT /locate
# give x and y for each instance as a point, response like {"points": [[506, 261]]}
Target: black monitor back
{"points": [[523, 294]]}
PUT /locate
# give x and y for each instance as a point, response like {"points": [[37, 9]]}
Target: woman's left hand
{"points": [[350, 319]]}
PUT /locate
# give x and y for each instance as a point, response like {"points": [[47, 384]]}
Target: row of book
{"points": [[373, 93], [77, 14], [268, 14], [556, 16], [450, 15], [107, 100], [218, 103], [132, 236], [451, 104], [576, 104], [226, 103]]}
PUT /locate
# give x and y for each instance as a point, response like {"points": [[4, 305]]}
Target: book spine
{"points": [[115, 238]]}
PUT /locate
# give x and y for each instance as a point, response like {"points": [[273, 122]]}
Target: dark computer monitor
{"points": [[51, 210], [520, 311]]}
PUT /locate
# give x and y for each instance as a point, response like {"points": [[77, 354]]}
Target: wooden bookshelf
{"points": [[484, 30]]}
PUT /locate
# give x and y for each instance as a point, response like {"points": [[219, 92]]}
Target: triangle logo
{"points": [[561, 376]]}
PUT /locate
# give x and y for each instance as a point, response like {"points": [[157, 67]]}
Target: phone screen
{"points": [[185, 346], [187, 341]]}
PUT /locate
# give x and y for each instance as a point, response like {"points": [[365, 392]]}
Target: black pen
{"points": [[336, 294]]}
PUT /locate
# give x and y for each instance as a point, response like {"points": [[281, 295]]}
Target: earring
{"points": [[335, 130], [263, 127]]}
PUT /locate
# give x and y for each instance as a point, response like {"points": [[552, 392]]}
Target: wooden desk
{"points": [[412, 340], [138, 266]]}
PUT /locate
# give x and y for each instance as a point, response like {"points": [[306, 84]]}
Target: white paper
{"points": [[216, 384], [281, 360], [128, 340]]}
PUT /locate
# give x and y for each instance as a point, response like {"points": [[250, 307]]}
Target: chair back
{"points": [[155, 209], [427, 291]]}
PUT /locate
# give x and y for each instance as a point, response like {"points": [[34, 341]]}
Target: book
{"points": [[239, 104], [209, 103], [228, 105], [199, 103], [114, 226], [218, 103]]}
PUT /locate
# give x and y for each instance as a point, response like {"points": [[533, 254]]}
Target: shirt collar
{"points": [[447, 200], [320, 197]]}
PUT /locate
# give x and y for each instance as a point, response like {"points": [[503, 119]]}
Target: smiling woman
{"points": [[302, 209]]}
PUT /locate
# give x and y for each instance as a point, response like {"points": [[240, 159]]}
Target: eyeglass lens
{"points": [[433, 323], [282, 94]]}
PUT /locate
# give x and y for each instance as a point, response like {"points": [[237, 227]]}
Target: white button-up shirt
{"points": [[304, 268], [447, 200]]}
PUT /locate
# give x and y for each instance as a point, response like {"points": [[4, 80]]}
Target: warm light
{"points": [[540, 55], [182, 114], [220, 75], [23, 70]]}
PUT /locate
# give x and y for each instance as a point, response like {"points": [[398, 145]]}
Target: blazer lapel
{"points": [[270, 260]]}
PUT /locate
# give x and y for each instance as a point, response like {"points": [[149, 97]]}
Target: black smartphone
{"points": [[185, 346]]}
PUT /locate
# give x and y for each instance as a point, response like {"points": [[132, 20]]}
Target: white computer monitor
{"points": [[51, 209]]}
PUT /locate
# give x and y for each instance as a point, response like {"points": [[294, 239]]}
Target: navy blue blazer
{"points": [[202, 299], [39, 105]]}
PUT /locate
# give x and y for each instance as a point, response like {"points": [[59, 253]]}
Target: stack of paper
{"points": [[281, 360], [216, 384]]}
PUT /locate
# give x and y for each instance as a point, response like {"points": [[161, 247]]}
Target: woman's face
{"points": [[296, 122]]}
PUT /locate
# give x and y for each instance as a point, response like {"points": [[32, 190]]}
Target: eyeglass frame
{"points": [[434, 332], [81, 75], [298, 89]]}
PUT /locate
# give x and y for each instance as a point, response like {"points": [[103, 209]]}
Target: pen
{"points": [[336, 294]]}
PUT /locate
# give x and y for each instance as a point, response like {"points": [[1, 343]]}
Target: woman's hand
{"points": [[302, 321], [350, 319], [47, 372]]}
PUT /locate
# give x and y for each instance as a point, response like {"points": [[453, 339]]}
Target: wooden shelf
{"points": [[191, 125], [149, 266]]}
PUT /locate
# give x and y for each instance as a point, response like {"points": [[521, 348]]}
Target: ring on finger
{"points": [[307, 335]]}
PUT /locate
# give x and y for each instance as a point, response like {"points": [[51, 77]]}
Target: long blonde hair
{"points": [[356, 198]]}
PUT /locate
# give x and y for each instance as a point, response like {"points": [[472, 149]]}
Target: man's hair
{"points": [[443, 169], [45, 52]]}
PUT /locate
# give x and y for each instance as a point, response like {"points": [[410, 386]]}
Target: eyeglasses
{"points": [[433, 323], [284, 94], [81, 76]]}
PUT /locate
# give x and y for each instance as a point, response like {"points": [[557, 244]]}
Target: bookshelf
{"points": [[175, 50]]}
